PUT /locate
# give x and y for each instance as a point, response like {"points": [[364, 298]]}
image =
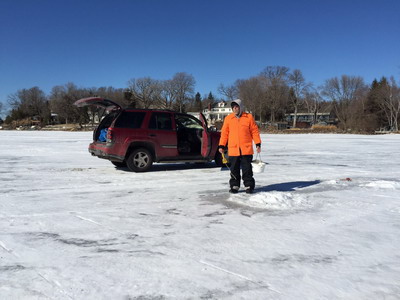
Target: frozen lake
{"points": [[324, 223]]}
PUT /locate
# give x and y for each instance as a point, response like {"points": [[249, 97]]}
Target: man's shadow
{"points": [[287, 186]]}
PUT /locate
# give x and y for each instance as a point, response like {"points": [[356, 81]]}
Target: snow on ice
{"points": [[324, 223]]}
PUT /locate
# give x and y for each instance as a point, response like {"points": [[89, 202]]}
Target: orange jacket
{"points": [[239, 134]]}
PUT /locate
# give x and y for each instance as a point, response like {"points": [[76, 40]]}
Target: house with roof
{"points": [[306, 120], [217, 112]]}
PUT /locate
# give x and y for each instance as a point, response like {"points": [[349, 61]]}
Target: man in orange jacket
{"points": [[238, 132]]}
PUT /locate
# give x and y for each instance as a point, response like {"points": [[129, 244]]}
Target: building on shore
{"points": [[216, 113]]}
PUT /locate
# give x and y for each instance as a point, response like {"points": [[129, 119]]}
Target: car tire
{"points": [[140, 160], [119, 164]]}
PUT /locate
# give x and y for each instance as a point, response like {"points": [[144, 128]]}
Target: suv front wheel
{"points": [[140, 160]]}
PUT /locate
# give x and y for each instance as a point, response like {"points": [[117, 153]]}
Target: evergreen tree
{"points": [[197, 103]]}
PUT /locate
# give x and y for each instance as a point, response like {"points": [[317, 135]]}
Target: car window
{"points": [[130, 119], [161, 121], [188, 122]]}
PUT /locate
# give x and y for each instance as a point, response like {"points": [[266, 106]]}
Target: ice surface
{"points": [[324, 223]]}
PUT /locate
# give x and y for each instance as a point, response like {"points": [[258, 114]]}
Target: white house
{"points": [[218, 112]]}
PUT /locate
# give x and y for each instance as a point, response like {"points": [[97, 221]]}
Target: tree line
{"points": [[276, 91], [269, 95]]}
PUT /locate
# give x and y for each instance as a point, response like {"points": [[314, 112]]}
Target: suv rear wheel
{"points": [[140, 160]]}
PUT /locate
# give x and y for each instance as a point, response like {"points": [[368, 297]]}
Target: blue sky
{"points": [[92, 43]]}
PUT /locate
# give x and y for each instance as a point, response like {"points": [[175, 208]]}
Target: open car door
{"points": [[206, 138], [99, 102]]}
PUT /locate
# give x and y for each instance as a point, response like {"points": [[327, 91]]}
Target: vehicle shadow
{"points": [[182, 166], [287, 186], [177, 167]]}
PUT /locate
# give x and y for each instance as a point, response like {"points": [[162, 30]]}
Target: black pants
{"points": [[243, 161]]}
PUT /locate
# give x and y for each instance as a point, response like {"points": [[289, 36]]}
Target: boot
{"points": [[234, 190], [249, 190]]}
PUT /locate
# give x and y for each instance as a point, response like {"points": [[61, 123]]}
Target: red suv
{"points": [[138, 137]]}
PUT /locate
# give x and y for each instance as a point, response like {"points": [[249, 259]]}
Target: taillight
{"points": [[109, 135]]}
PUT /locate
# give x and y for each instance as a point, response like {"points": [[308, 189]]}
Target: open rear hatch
{"points": [[99, 102], [109, 106]]}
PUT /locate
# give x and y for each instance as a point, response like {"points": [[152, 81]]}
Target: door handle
{"points": [[152, 135]]}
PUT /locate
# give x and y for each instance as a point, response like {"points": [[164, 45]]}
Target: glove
{"points": [[222, 147]]}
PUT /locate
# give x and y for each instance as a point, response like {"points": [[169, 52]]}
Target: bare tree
{"points": [[276, 89], [394, 104], [167, 96], [275, 73], [182, 85], [252, 92], [62, 99], [388, 98], [313, 102], [343, 92], [31, 103], [109, 92], [230, 92], [299, 88], [145, 91]]}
